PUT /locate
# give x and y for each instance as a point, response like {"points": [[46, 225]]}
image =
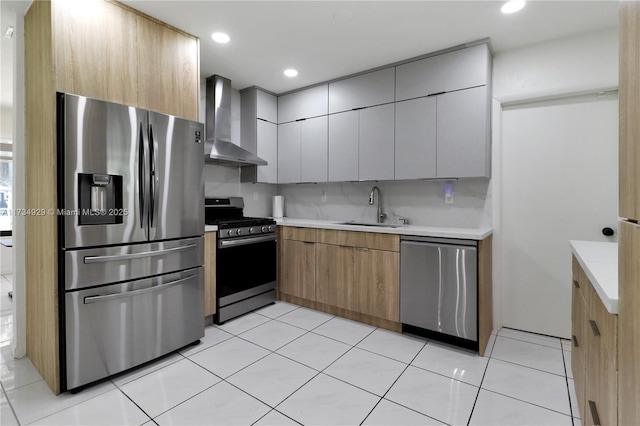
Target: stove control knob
{"points": [[230, 232], [264, 229], [270, 228], [239, 231], [252, 230]]}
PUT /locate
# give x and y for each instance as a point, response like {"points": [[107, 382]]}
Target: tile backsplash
{"points": [[422, 202]]}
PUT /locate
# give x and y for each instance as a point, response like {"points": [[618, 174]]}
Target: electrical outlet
{"points": [[448, 198], [323, 197]]}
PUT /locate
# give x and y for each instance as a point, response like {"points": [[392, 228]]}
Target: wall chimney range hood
{"points": [[218, 148]]}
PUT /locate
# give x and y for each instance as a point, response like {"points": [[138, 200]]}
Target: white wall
{"points": [[19, 344], [569, 66], [6, 122], [572, 65]]}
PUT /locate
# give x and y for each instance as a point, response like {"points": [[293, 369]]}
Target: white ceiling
{"points": [[269, 36]]}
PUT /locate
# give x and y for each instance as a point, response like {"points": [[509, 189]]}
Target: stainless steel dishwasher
{"points": [[439, 289]]}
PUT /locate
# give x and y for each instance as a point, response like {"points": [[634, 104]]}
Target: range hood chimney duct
{"points": [[218, 148]]}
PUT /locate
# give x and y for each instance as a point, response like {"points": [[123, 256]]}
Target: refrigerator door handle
{"points": [[114, 257], [141, 174], [107, 297], [153, 168]]}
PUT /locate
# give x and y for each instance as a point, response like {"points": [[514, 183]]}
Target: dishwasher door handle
{"points": [[446, 246]]}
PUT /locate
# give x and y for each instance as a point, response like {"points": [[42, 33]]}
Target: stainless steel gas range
{"points": [[246, 258]]}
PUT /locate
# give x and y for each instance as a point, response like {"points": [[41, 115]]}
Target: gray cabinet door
{"points": [[463, 134], [267, 136], [377, 143], [266, 106], [415, 146], [374, 88], [343, 146], [314, 149], [303, 104], [456, 70], [289, 152]]}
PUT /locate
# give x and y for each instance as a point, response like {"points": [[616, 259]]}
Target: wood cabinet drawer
{"points": [[298, 234], [371, 240]]}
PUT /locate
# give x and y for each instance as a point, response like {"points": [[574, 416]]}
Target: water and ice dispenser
{"points": [[100, 199]]}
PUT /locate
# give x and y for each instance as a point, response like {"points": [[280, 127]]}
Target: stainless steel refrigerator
{"points": [[131, 225]]}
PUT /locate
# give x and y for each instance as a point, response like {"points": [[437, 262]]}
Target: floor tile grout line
{"points": [[533, 343], [486, 367], [530, 332], [394, 382], [272, 410], [566, 378], [133, 402], [13, 411], [526, 402], [210, 346], [267, 316], [529, 367], [72, 405], [150, 372], [322, 371]]}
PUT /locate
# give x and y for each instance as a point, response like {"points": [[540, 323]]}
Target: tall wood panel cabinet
{"points": [[629, 208], [99, 49]]}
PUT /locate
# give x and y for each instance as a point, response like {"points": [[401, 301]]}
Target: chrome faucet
{"points": [[380, 216]]}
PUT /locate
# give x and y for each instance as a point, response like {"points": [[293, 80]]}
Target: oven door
{"points": [[245, 267]]}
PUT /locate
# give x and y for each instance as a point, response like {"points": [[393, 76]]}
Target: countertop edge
{"points": [[608, 300], [462, 233]]}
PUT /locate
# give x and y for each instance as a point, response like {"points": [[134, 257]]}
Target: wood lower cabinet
{"points": [[297, 268], [335, 273], [209, 273], [594, 353], [376, 284]]}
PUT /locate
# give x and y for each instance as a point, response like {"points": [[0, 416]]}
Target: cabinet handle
{"points": [[576, 284], [594, 413], [436, 94], [575, 341], [594, 328], [308, 242]]}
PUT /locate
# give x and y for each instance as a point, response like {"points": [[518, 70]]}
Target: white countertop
{"points": [[425, 231], [600, 262], [210, 228]]}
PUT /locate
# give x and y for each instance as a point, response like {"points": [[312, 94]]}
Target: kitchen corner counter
{"points": [[210, 228], [599, 261], [424, 231]]}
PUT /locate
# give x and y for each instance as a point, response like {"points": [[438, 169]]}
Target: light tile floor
{"points": [[285, 365]]}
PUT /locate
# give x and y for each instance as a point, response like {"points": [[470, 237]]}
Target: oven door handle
{"points": [[245, 241]]}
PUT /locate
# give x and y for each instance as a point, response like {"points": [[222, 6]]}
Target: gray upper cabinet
{"points": [[266, 106], [289, 152], [376, 143], [451, 71], [464, 148], [374, 88], [303, 104], [343, 146], [267, 150], [313, 149], [259, 134], [415, 148]]}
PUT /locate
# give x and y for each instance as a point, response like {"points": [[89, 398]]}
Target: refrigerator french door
{"points": [[131, 217]]}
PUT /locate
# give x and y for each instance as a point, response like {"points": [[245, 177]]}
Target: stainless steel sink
{"points": [[380, 225]]}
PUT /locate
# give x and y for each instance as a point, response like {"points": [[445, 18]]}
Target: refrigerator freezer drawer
{"points": [[438, 288], [90, 267], [113, 328]]}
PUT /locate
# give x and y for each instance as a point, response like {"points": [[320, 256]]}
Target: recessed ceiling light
{"points": [[220, 37], [290, 72], [512, 6]]}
